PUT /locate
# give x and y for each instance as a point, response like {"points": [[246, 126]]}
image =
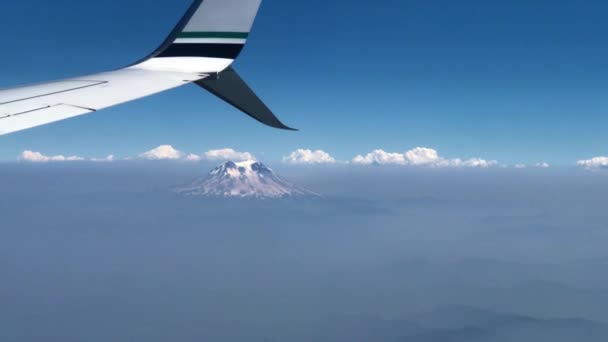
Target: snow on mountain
{"points": [[248, 179]]}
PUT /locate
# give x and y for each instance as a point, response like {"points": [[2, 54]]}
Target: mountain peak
{"points": [[246, 179]]}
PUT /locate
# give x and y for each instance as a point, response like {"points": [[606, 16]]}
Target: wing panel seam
{"points": [[57, 92], [26, 112]]}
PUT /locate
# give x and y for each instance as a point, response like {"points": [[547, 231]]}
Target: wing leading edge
{"points": [[200, 49]]}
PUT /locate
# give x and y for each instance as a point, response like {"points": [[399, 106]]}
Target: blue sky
{"points": [[517, 81]]}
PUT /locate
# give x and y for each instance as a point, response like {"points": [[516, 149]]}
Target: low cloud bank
{"points": [[162, 152], [37, 157], [419, 156], [594, 164], [309, 157], [416, 157], [228, 154]]}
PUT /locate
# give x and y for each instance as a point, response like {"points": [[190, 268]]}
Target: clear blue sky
{"points": [[517, 81]]}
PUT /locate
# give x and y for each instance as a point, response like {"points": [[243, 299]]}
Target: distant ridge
{"points": [[248, 179]]}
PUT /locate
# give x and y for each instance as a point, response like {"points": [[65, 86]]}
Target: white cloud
{"points": [[193, 157], [107, 159], [596, 163], [73, 158], [477, 162], [34, 157], [520, 166], [542, 165], [37, 157], [309, 157], [228, 154], [380, 157], [419, 156], [471, 163], [163, 152]]}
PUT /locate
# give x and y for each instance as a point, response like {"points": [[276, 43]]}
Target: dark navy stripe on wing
{"points": [[229, 51]]}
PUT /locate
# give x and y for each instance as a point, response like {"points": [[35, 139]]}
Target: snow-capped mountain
{"points": [[248, 179]]}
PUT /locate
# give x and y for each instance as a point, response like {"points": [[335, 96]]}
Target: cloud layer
{"points": [[162, 152], [596, 163], [380, 157], [228, 154], [193, 157], [419, 156], [309, 157], [37, 157], [416, 157], [107, 159]]}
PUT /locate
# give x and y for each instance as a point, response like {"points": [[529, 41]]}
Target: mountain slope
{"points": [[248, 179]]}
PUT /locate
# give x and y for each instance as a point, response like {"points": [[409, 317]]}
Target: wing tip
{"points": [[231, 88], [273, 122], [283, 127]]}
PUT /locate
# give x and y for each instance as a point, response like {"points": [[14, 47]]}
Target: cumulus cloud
{"points": [[472, 163], [107, 159], [193, 157], [419, 156], [422, 156], [380, 157], [309, 157], [596, 163], [37, 157], [541, 165], [228, 154], [163, 152]]}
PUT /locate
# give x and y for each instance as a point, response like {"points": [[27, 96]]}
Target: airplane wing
{"points": [[200, 50]]}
